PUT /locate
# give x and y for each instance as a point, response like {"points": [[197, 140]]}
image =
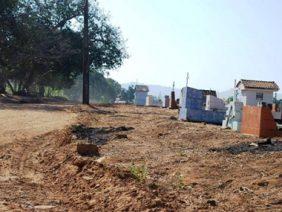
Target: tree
{"points": [[41, 42], [6, 16], [128, 94], [230, 99], [104, 90]]}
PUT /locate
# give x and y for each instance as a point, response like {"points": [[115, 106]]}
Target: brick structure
{"points": [[172, 104], [258, 121], [166, 101]]}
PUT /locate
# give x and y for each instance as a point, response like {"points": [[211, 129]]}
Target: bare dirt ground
{"points": [[148, 161], [26, 121]]}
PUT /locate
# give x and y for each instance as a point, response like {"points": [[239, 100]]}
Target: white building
{"points": [[253, 92], [149, 100], [141, 92], [152, 101]]}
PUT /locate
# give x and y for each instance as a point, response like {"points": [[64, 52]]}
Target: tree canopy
{"points": [[41, 44], [128, 94]]}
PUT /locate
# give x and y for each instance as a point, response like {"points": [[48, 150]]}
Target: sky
{"points": [[216, 41]]}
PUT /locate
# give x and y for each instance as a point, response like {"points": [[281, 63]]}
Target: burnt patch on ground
{"points": [[252, 147], [99, 135]]}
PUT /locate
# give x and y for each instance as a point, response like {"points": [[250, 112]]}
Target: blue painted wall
{"points": [[192, 107], [140, 98]]}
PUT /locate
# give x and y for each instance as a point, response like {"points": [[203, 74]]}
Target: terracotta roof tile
{"points": [[256, 84]]}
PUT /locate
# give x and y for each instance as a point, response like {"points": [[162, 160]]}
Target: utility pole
{"points": [[85, 98]]}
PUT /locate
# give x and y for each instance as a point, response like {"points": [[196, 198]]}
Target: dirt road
{"points": [[25, 121], [149, 161]]}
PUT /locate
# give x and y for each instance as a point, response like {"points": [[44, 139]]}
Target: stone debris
{"points": [[87, 178], [263, 183], [253, 144], [101, 159], [243, 189], [44, 207], [87, 149], [212, 202]]}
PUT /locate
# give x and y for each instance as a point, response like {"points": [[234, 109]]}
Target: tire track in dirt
{"points": [[25, 182], [48, 174]]}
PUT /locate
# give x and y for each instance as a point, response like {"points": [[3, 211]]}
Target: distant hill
{"points": [[157, 90], [225, 94]]}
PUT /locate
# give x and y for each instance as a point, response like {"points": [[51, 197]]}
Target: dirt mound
{"points": [[60, 178], [91, 185]]}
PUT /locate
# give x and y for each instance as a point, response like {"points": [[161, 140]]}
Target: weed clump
{"points": [[139, 172], [178, 181]]}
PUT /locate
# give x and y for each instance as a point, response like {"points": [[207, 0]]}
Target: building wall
{"points": [[166, 101], [248, 97], [149, 100], [214, 103], [192, 107], [140, 98]]}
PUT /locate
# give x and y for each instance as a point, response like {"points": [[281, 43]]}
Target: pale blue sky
{"points": [[216, 41]]}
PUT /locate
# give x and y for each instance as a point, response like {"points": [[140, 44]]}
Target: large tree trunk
{"points": [[2, 85], [27, 85], [2, 88], [41, 91], [85, 94]]}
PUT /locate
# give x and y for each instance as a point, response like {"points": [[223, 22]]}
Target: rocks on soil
{"points": [[263, 184], [266, 142], [212, 202], [254, 147], [245, 190], [278, 202], [173, 118], [87, 149], [44, 207], [253, 144]]}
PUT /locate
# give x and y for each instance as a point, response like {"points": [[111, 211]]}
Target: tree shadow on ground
{"points": [[35, 107], [55, 107], [96, 109], [255, 148]]}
